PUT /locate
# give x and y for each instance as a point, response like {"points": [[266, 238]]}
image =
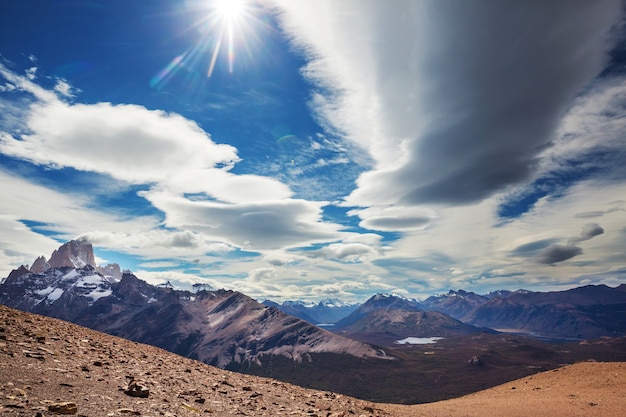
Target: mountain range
{"points": [[231, 330], [216, 327], [586, 312]]}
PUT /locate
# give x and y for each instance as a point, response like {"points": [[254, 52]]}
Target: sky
{"points": [[318, 149]]}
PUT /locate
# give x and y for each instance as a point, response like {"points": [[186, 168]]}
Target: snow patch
{"points": [[97, 294], [71, 275], [89, 281], [55, 294]]}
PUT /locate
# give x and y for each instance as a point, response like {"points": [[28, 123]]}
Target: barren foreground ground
{"points": [[49, 367]]}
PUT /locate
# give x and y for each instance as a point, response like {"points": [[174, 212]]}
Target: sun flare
{"points": [[229, 9], [223, 26]]}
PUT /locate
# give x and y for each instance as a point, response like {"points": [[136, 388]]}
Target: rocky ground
{"points": [[50, 367]]}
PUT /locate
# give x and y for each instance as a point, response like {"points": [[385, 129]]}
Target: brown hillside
{"points": [[47, 364]]}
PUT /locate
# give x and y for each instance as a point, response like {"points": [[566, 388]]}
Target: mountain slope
{"points": [[386, 327], [48, 364], [217, 327]]}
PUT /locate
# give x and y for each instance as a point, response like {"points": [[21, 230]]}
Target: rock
{"points": [[34, 355], [75, 254], [128, 411], [63, 408], [110, 270], [40, 265], [137, 389]]}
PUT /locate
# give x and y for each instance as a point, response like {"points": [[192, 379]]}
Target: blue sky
{"points": [[315, 149]]}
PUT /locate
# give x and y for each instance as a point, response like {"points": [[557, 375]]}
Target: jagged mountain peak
{"points": [[386, 296], [40, 265], [75, 253]]}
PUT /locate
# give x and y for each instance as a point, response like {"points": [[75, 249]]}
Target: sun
{"points": [[223, 26], [230, 10]]}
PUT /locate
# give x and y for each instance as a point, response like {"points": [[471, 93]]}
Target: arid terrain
{"points": [[49, 367]]}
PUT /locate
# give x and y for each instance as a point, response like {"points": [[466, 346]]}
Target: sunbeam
{"points": [[229, 16]]}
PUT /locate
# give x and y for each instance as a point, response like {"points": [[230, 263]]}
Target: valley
{"points": [[450, 368]]}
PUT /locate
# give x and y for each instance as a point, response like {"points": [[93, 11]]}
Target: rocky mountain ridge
{"points": [[216, 327]]}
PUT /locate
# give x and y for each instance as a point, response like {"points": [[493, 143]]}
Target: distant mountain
{"points": [[324, 312], [586, 312], [216, 327], [385, 327], [456, 304], [581, 313], [378, 302]]}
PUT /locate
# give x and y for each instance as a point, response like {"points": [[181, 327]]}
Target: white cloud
{"points": [[64, 89], [592, 132], [159, 264], [178, 279], [158, 243], [262, 225], [394, 218], [346, 252], [123, 141], [226, 187], [262, 274], [19, 245]]}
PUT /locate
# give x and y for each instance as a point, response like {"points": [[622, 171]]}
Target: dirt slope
{"points": [[47, 365], [582, 389]]}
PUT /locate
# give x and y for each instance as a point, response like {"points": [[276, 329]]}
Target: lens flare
{"points": [[223, 26]]}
